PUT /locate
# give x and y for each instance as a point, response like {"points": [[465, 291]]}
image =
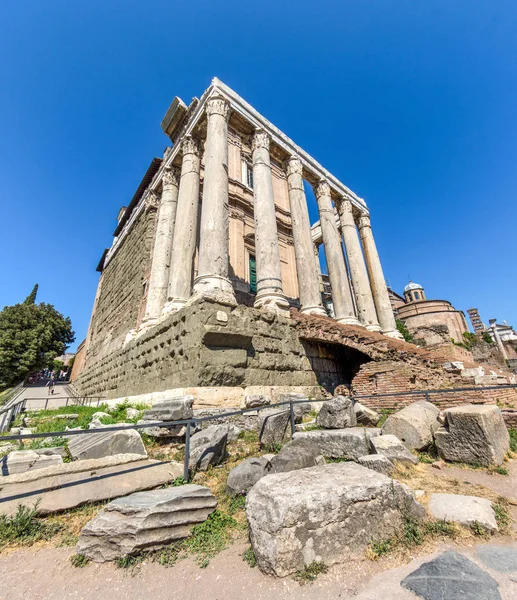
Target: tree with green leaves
{"points": [[31, 336], [402, 328]]}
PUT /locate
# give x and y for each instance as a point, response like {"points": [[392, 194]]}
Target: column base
{"points": [[348, 321], [274, 301], [394, 333], [173, 305], [316, 309], [374, 327], [216, 288]]}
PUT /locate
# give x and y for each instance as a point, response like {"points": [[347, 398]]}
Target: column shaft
{"points": [[377, 281], [161, 258], [308, 280], [212, 279], [341, 294], [269, 275], [185, 228], [360, 283]]}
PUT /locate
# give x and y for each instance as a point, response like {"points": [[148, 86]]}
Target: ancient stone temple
{"points": [[215, 256]]}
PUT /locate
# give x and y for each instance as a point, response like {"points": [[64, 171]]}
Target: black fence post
{"points": [[291, 410], [187, 452], [46, 404], [427, 397], [66, 401]]}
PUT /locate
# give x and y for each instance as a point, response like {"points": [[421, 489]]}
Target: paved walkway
{"points": [[38, 396]]}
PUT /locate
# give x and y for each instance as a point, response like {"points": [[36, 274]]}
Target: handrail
{"points": [[192, 421]]}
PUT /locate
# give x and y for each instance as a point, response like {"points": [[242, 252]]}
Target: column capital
{"points": [[293, 166], [322, 188], [152, 200], [260, 139], [190, 145], [363, 221], [217, 105], [171, 176]]}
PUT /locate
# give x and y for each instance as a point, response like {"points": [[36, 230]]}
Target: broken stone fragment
{"points": [[465, 510], [326, 514], [473, 434], [145, 520], [414, 425], [393, 449], [273, 426], [350, 443], [208, 447], [337, 413], [377, 462], [295, 456], [246, 474], [97, 445], [365, 415]]}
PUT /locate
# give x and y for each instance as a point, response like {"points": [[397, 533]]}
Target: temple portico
{"points": [[230, 220]]}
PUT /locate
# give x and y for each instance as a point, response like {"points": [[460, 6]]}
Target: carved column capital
{"points": [[344, 206], [218, 106], [260, 139], [293, 166], [190, 145], [171, 176], [322, 188], [152, 200], [363, 221]]}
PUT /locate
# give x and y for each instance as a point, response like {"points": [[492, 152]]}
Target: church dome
{"points": [[412, 286]]}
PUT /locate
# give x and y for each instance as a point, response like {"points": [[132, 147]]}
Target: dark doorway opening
{"points": [[334, 364]]}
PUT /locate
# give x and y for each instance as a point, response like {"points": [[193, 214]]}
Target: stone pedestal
{"points": [[161, 257], [212, 279], [377, 282], [185, 228], [308, 280], [341, 294], [269, 276], [361, 285]]}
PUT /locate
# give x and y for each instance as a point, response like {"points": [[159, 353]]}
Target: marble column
{"points": [[161, 258], [377, 281], [185, 228], [360, 283], [212, 279], [267, 255], [341, 294], [308, 280]]}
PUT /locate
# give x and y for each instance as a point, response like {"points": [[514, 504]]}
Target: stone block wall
{"points": [[122, 293]]}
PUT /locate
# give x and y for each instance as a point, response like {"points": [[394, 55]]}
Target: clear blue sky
{"points": [[412, 104]]}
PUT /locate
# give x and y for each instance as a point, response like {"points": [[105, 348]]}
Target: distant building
{"points": [[431, 322], [475, 319]]}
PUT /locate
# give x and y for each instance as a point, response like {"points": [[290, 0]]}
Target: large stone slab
{"points": [[175, 409], [145, 520], [21, 461], [208, 447], [295, 456], [393, 449], [323, 514], [273, 426], [71, 484], [377, 462], [337, 413], [473, 434], [414, 424], [349, 443], [98, 445], [246, 474], [451, 576], [465, 510]]}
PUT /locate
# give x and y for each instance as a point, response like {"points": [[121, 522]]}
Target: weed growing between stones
{"points": [[209, 538], [513, 439], [502, 515], [25, 527], [479, 531], [249, 557], [313, 427], [237, 503], [249, 436], [168, 556], [79, 560], [385, 413], [311, 572]]}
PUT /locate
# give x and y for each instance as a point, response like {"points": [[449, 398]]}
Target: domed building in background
{"points": [[431, 322]]}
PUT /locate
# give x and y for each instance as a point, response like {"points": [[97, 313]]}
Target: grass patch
{"points": [[273, 448], [236, 503], [25, 528], [499, 470], [209, 538], [513, 439], [311, 572], [130, 562], [249, 557], [385, 413], [502, 515], [249, 436], [313, 427], [168, 556], [79, 560], [479, 531]]}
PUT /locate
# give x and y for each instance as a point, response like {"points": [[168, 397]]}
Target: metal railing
{"points": [[191, 422], [12, 394]]}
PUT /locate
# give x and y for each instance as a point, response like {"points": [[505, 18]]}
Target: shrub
{"points": [[25, 527]]}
